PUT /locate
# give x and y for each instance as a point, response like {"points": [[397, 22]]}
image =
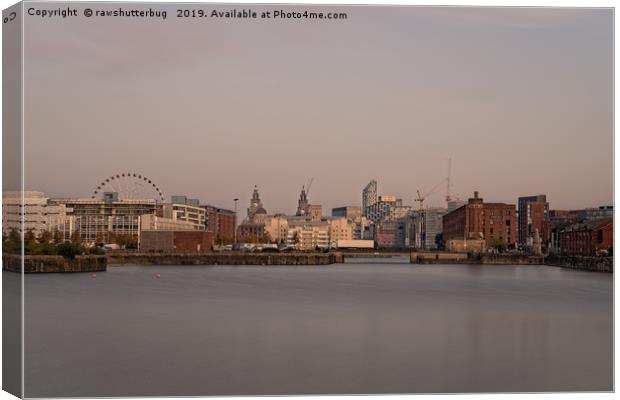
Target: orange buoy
{"points": [[157, 276], [94, 276]]}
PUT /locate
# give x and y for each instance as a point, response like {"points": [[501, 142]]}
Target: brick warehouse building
{"points": [[176, 241], [587, 238], [533, 216], [491, 222], [221, 222]]}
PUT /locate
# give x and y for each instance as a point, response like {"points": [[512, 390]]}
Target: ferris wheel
{"points": [[129, 186]]}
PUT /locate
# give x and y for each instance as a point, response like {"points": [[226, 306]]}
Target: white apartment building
{"points": [[150, 222], [276, 226], [308, 235], [37, 213], [340, 228], [191, 213]]}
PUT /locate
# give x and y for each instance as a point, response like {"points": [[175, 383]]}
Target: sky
{"points": [[520, 99]]}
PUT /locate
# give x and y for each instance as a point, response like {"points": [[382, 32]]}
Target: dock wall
{"points": [[223, 259], [45, 264]]}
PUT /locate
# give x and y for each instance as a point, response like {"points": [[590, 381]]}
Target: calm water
{"points": [[369, 326]]}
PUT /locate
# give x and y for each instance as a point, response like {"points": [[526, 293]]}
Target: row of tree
{"points": [[47, 243]]}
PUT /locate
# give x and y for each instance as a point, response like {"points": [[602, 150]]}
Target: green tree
{"points": [[498, 244], [29, 237], [45, 237], [76, 237], [57, 237]]}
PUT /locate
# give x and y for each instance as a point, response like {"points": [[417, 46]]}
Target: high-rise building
{"points": [[533, 212], [387, 207], [369, 196]]}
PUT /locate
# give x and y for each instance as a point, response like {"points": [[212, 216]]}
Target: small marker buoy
{"points": [[157, 276], [93, 276]]}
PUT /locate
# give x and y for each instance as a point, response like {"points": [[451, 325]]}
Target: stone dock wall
{"points": [[596, 264], [119, 259], [46, 264]]}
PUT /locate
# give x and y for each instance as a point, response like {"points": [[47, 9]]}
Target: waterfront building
{"points": [[185, 212], [35, 214], [353, 214], [533, 212], [387, 208], [256, 207], [315, 212], [422, 228], [587, 238], [495, 223], [222, 222], [369, 196], [454, 204], [308, 235], [151, 222], [340, 228], [390, 233], [276, 227], [561, 219], [302, 203], [252, 232], [100, 220], [176, 241], [599, 212], [184, 200]]}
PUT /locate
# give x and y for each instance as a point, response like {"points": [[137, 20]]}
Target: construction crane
{"points": [[448, 197], [308, 186], [421, 197], [445, 180]]}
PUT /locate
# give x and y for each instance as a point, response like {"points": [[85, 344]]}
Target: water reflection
{"points": [[352, 328]]}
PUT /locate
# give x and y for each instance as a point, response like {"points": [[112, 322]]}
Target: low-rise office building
{"points": [[97, 221]]}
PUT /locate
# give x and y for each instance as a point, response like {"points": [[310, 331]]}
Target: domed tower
{"points": [[255, 205]]}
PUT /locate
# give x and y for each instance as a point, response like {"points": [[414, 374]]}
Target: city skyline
{"points": [[520, 99]]}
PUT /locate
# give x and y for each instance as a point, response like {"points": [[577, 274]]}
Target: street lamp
{"points": [[235, 224]]}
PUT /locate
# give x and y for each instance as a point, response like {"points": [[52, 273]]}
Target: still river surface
{"points": [[366, 326]]}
